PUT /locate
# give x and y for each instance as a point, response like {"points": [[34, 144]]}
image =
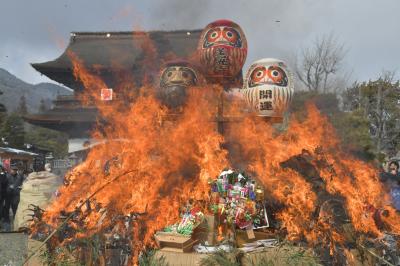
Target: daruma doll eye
{"points": [[276, 74], [258, 74], [230, 35], [213, 35]]}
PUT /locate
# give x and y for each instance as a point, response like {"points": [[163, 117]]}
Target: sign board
{"points": [[106, 94]]}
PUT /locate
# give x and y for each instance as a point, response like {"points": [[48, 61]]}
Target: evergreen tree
{"points": [[12, 131], [22, 108], [352, 127], [3, 109], [14, 134], [42, 107], [48, 139], [353, 130], [378, 103]]}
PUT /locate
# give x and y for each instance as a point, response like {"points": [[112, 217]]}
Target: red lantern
{"points": [[222, 50]]}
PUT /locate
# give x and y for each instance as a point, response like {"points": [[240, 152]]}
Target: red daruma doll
{"points": [[222, 50]]}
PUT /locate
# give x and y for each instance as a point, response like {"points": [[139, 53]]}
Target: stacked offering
{"points": [[238, 200], [190, 220], [180, 237]]}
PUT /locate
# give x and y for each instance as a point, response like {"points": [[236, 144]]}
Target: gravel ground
{"points": [[13, 248]]}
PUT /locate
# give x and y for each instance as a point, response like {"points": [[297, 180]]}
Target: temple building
{"points": [[23, 159], [112, 56]]}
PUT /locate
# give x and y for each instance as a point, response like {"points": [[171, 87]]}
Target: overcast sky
{"points": [[38, 31]]}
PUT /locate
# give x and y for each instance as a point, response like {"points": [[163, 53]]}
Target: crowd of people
{"points": [[19, 190], [10, 187]]}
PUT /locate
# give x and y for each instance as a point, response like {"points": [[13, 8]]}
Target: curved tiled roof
{"points": [[112, 53]]}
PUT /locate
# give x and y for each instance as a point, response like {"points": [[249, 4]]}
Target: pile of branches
{"points": [[113, 244], [331, 217]]}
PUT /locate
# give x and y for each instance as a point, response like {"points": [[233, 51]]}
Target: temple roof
{"points": [[7, 150], [68, 116], [110, 53]]}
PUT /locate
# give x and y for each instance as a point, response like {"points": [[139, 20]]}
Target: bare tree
{"points": [[318, 66], [385, 114]]}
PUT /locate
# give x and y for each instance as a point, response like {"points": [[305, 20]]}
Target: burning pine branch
{"points": [[330, 231], [134, 183]]}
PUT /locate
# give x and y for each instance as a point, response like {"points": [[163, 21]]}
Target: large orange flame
{"points": [[164, 160]]}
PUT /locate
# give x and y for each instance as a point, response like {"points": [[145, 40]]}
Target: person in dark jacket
{"points": [[393, 174], [3, 191], [391, 179], [394, 168], [13, 190]]}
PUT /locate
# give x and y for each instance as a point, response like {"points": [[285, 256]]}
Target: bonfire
{"points": [[152, 164]]}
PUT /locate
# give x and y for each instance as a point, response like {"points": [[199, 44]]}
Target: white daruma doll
{"points": [[268, 87]]}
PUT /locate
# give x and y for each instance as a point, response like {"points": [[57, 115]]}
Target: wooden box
{"points": [[174, 242], [206, 231], [242, 237]]}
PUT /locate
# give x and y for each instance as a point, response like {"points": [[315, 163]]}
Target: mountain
{"points": [[14, 88]]}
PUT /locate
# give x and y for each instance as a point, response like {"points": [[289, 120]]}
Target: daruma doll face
{"points": [[268, 87], [175, 78], [222, 49], [178, 75]]}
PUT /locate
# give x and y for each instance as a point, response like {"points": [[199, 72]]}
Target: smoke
{"points": [[273, 28], [178, 14]]}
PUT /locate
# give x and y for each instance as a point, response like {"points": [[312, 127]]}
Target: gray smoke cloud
{"points": [[37, 31]]}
